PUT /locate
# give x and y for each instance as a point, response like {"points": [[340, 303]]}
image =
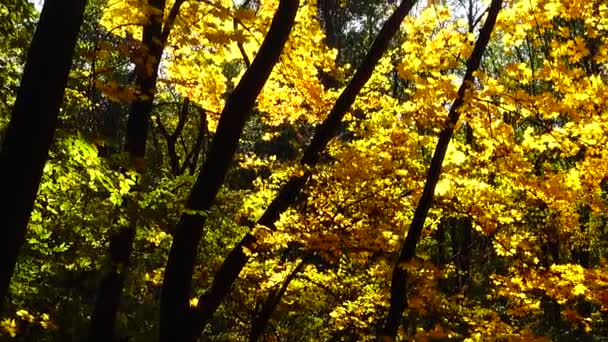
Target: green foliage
{"points": [[17, 22]]}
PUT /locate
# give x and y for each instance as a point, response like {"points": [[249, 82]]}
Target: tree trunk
{"points": [[274, 298], [121, 242], [175, 321], [171, 138], [30, 131], [110, 290], [398, 301], [461, 249], [200, 147], [153, 43], [229, 271]]}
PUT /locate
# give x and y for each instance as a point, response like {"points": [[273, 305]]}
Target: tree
{"points": [[306, 221], [33, 123], [156, 30], [176, 322], [408, 251], [237, 258]]}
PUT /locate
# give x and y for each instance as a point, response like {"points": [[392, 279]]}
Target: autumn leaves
{"points": [[424, 136]]}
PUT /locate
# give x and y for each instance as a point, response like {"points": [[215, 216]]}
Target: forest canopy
{"points": [[304, 170]]}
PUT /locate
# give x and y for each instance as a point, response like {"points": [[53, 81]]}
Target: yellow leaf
{"points": [[9, 327], [579, 289], [26, 316], [193, 302]]}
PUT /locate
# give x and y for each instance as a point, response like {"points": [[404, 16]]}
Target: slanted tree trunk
{"points": [[121, 241], [229, 271], [176, 322], [33, 123], [398, 301], [274, 298]]}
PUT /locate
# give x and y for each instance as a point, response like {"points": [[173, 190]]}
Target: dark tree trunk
{"points": [[550, 246], [176, 323], [581, 253], [171, 138], [200, 147], [121, 242], [328, 14], [110, 290], [153, 43], [33, 123], [551, 310], [229, 271], [461, 249], [439, 257], [274, 297], [398, 301]]}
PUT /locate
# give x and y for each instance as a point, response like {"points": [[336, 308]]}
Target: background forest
{"points": [[304, 170]]}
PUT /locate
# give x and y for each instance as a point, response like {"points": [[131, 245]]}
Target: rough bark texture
{"points": [[30, 131], [176, 322], [229, 271], [408, 250], [121, 242]]}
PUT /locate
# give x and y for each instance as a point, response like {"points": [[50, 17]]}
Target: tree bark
{"points": [[398, 301], [33, 123], [175, 321], [229, 271]]}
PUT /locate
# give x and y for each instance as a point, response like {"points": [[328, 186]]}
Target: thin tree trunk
{"points": [[199, 149], [229, 271], [398, 301], [121, 242], [33, 123], [274, 298], [175, 321], [171, 139]]}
